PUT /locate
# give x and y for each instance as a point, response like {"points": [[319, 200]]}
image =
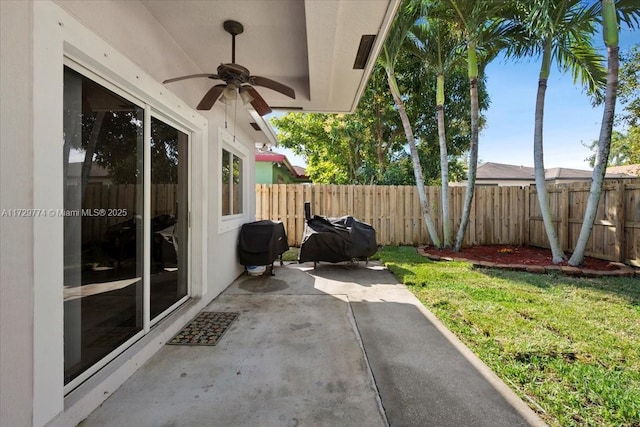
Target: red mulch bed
{"points": [[523, 255]]}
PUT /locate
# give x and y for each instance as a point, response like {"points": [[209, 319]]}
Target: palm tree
{"points": [[405, 19], [610, 35], [434, 42], [485, 33], [561, 31]]}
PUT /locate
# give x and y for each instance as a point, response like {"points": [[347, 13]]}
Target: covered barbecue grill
{"points": [[336, 239], [260, 243]]}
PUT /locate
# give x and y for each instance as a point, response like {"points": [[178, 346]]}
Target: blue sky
{"points": [[569, 121], [569, 117]]}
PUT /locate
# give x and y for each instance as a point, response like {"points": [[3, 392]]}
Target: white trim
{"points": [[231, 144], [265, 127], [48, 271], [103, 81], [146, 227], [77, 381], [170, 310]]}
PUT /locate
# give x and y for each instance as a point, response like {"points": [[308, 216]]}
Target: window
{"points": [[169, 216], [232, 182]]}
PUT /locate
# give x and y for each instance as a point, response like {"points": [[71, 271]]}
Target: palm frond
{"points": [[586, 66], [436, 42], [628, 12], [404, 20]]}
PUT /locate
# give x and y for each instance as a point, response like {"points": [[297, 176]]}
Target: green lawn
{"points": [[569, 346]]}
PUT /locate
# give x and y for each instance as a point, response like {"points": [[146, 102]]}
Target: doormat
{"points": [[206, 329]]}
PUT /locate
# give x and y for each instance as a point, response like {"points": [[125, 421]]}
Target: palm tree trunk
{"points": [[538, 158], [417, 168], [602, 158], [90, 151], [444, 164], [379, 142], [473, 150], [610, 33]]}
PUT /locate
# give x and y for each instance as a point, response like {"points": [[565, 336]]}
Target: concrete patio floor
{"points": [[340, 345]]}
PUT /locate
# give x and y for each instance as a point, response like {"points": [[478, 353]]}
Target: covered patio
{"points": [[129, 187], [337, 345]]}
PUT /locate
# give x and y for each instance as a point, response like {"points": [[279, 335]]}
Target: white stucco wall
{"points": [[121, 42], [145, 42], [16, 234]]}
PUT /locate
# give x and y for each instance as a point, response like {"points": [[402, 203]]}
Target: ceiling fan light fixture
{"points": [[245, 96], [229, 93]]}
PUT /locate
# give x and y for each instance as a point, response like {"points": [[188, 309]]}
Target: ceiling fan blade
{"points": [[258, 102], [274, 85], [192, 76], [211, 97]]}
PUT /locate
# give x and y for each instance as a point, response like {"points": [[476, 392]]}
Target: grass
{"points": [[290, 255], [569, 346]]}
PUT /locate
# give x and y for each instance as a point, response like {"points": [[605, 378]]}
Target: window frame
{"points": [[158, 115], [229, 143]]}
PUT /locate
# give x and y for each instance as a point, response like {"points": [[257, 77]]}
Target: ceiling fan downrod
{"points": [[234, 28]]}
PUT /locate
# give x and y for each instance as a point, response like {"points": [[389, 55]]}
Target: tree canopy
{"points": [[629, 90], [368, 146], [625, 142]]}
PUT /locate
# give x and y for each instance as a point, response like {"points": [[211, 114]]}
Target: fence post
{"points": [[564, 218], [526, 215], [619, 212]]}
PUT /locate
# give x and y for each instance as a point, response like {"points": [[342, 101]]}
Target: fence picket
{"points": [[499, 215]]}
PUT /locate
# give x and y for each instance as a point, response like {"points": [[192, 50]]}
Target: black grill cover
{"points": [[261, 242], [337, 239]]}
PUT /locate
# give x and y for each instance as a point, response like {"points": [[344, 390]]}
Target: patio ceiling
{"points": [[309, 45]]}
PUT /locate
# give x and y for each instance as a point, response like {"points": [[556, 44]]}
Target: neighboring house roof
{"points": [[566, 173], [630, 170], [504, 172], [298, 172], [302, 172]]}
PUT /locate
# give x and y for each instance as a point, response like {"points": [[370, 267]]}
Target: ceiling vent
{"points": [[364, 50]]}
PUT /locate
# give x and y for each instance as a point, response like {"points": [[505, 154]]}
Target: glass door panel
{"points": [[169, 216], [103, 208]]}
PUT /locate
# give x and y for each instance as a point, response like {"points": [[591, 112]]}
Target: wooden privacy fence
{"points": [[499, 215], [121, 202]]}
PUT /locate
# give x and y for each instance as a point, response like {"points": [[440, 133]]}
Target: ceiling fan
{"points": [[237, 79]]}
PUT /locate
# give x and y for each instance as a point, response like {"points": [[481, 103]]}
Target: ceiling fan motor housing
{"points": [[233, 74]]}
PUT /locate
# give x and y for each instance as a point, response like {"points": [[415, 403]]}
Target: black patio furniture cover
{"points": [[337, 239], [261, 242]]}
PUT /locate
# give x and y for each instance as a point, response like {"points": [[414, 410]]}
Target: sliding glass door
{"points": [[115, 283], [169, 216]]}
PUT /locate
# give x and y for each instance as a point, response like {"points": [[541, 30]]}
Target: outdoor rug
{"points": [[206, 329]]}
